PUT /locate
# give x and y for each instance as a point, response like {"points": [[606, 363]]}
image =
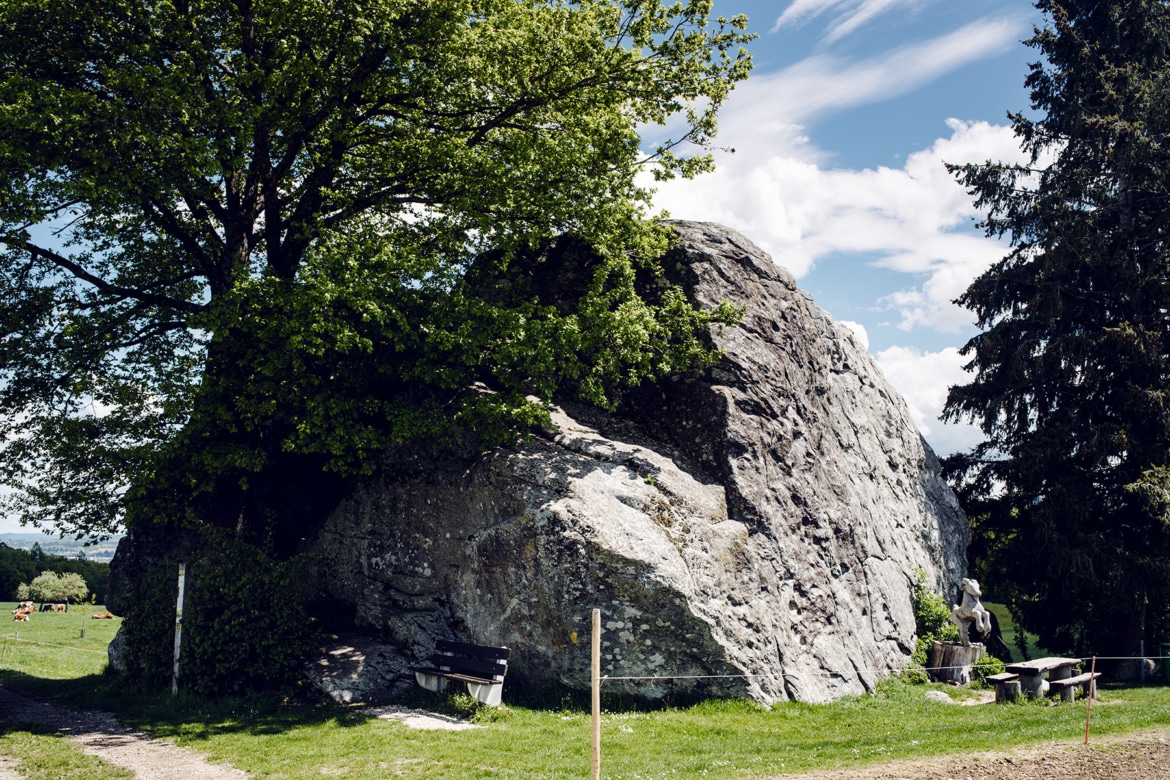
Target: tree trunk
{"points": [[950, 662]]}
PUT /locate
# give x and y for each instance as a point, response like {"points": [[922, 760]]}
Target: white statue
{"points": [[971, 611]]}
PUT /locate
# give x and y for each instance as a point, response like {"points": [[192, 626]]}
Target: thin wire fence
{"points": [[874, 670], [16, 639]]}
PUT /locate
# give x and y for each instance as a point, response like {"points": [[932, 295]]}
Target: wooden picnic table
{"points": [[1034, 674]]}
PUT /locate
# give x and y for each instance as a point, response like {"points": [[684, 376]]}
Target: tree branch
{"points": [[101, 284]]}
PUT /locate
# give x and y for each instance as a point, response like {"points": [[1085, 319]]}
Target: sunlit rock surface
{"points": [[754, 531]]}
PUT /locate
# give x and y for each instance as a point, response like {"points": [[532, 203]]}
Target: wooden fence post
{"points": [[595, 675], [178, 626]]}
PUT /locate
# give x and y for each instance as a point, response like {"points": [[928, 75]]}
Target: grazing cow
{"points": [[60, 608]]}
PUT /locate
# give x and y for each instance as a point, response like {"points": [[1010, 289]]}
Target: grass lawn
{"points": [[1007, 627], [50, 645], [270, 739]]}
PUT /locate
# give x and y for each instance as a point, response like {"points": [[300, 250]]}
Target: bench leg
{"points": [[1068, 693], [1007, 691], [432, 682], [488, 694]]}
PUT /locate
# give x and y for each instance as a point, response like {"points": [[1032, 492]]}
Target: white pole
{"points": [[595, 770], [179, 626]]}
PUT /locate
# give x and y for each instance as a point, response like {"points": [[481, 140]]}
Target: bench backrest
{"points": [[481, 660]]}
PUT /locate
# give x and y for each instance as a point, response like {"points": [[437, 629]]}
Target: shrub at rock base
{"points": [[245, 628], [932, 622]]}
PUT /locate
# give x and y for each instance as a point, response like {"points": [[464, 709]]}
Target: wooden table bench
{"points": [[1067, 687], [481, 667], [1039, 676], [1007, 686]]}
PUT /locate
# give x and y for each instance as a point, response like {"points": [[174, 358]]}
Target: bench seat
{"points": [[1007, 686], [481, 667], [1067, 687]]}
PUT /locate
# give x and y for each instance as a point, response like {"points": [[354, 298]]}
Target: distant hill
{"points": [[69, 548]]}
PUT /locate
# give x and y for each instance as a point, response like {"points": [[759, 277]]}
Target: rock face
{"points": [[751, 532]]}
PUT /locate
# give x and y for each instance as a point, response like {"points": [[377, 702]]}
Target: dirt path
{"points": [[1143, 756], [101, 735]]}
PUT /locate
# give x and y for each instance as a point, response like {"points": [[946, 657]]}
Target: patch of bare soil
{"points": [[101, 735], [1143, 756], [420, 719]]}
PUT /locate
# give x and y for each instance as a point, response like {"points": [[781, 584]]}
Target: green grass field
{"points": [[50, 645], [1007, 627], [298, 740]]}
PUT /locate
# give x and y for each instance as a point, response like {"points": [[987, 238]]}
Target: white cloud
{"points": [[849, 15], [859, 332], [916, 218], [770, 104], [923, 379], [766, 115]]}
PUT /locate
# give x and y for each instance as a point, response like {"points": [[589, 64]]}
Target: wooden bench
{"points": [[1007, 686], [1067, 687], [481, 667]]}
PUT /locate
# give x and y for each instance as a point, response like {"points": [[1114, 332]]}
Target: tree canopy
{"points": [[236, 234], [1071, 490], [52, 586]]}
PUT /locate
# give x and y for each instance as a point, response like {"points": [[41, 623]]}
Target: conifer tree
{"points": [[1070, 493]]}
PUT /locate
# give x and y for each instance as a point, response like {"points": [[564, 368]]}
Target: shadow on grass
{"points": [[192, 716], [186, 715]]}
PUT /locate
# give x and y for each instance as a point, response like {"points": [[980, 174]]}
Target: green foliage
{"points": [[19, 567], [16, 567], [243, 249], [932, 615], [265, 219], [51, 586], [985, 667], [1069, 492], [932, 622], [148, 627], [244, 626]]}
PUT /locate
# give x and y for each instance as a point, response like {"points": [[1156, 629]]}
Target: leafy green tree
{"points": [[1071, 490], [51, 586], [15, 567], [237, 235]]}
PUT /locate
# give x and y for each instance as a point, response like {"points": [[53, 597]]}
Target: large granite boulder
{"points": [[754, 531]]}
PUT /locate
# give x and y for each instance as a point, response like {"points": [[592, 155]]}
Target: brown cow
{"points": [[102, 616]]}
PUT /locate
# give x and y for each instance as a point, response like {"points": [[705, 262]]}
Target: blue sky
{"points": [[840, 136]]}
